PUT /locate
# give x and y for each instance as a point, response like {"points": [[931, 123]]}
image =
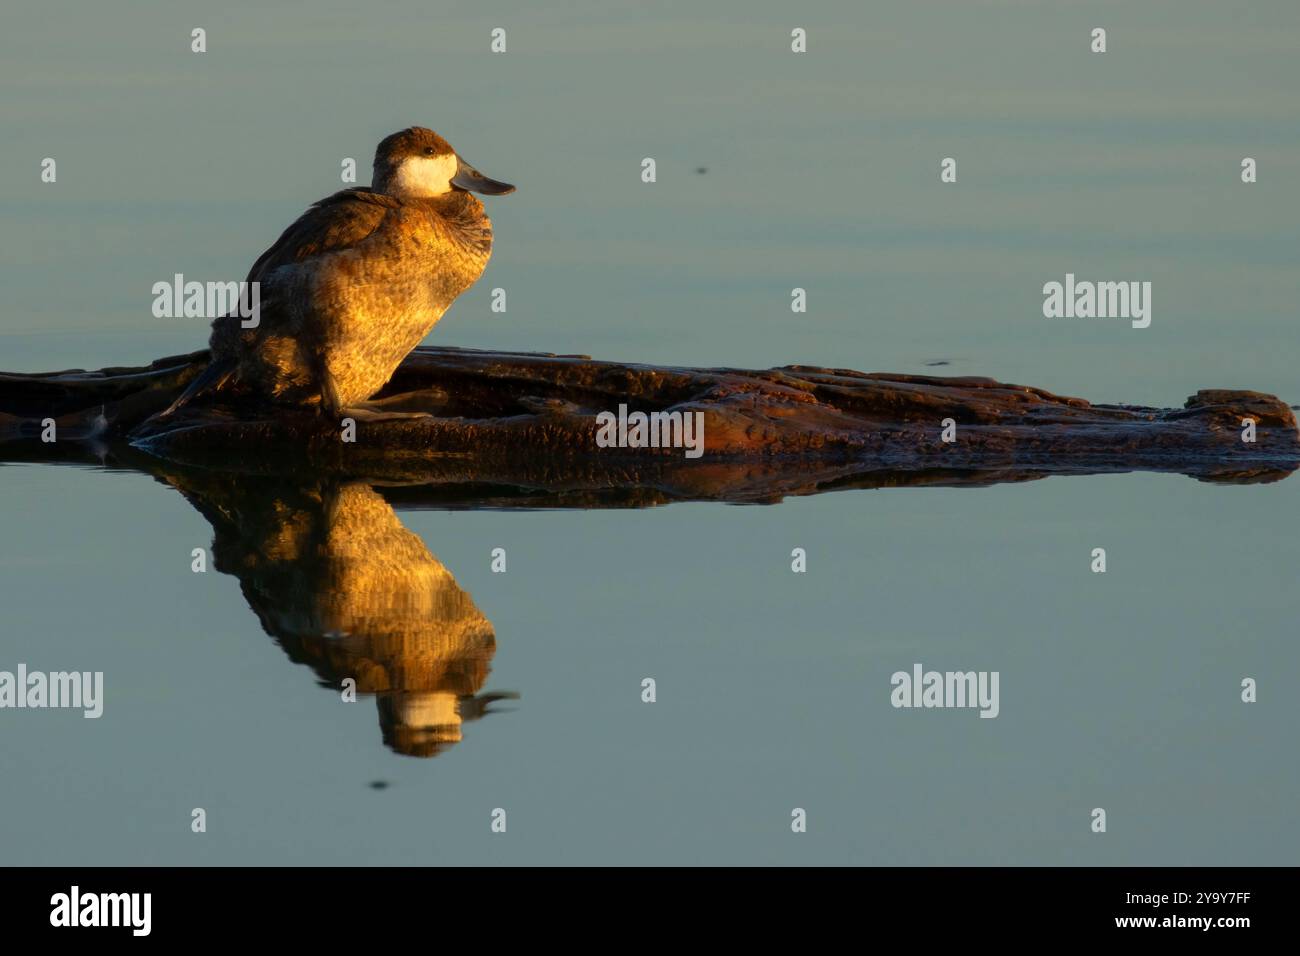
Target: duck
{"points": [[356, 283]]}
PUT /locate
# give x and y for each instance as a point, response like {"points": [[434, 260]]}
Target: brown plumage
{"points": [[357, 281], [344, 587]]}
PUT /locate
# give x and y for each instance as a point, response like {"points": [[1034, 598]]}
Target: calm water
{"points": [[1118, 690]]}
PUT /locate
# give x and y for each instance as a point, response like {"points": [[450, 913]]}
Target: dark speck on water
{"points": [[701, 169], [939, 362], [378, 784]]}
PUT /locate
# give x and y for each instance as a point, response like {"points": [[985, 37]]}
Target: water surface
{"points": [[1118, 690]]}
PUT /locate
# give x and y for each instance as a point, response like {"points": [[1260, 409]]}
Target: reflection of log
{"points": [[515, 428]]}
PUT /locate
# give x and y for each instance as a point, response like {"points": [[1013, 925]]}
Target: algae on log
{"points": [[519, 429]]}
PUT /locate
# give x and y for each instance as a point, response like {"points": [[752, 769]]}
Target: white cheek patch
{"points": [[425, 175]]}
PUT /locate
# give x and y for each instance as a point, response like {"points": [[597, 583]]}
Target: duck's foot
{"points": [[421, 400], [368, 412]]}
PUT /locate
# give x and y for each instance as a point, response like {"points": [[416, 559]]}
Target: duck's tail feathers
{"points": [[208, 382]]}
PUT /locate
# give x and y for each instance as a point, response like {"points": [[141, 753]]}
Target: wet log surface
{"points": [[519, 430]]}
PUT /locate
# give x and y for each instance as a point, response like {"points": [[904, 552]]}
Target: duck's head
{"points": [[417, 163]]}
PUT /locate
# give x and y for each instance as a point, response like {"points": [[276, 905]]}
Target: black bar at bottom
{"points": [[367, 904]]}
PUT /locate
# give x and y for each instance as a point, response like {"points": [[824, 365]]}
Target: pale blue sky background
{"points": [[1118, 690]]}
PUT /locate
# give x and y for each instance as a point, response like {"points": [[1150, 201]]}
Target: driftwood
{"points": [[518, 429], [307, 523]]}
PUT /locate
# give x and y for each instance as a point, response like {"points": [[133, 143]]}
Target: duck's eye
{"points": [[428, 151]]}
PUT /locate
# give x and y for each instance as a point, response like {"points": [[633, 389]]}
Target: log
{"points": [[517, 429]]}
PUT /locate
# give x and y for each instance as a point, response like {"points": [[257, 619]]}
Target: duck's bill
{"points": [[467, 177]]}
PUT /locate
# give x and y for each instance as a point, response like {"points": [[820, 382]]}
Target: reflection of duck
{"points": [[345, 588]]}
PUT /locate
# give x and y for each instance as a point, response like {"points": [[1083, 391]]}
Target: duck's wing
{"points": [[337, 222]]}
